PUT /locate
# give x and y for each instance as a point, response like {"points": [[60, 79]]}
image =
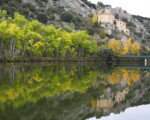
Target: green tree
{"points": [[42, 17], [102, 33], [66, 16]]}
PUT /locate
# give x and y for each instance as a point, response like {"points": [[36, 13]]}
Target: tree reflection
{"points": [[125, 75], [61, 90], [31, 84]]}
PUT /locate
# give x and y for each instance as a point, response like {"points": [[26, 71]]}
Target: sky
{"points": [[134, 113], [136, 7]]}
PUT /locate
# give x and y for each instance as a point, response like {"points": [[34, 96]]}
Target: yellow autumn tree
{"points": [[134, 76], [125, 49], [95, 18], [135, 48], [116, 46], [125, 75], [130, 42], [115, 77]]}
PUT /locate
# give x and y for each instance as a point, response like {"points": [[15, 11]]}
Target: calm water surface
{"points": [[74, 91]]}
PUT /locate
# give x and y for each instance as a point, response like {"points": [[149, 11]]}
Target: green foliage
{"points": [[45, 1], [21, 37], [102, 34], [42, 17], [101, 4], [138, 34], [51, 17], [89, 4], [90, 31], [66, 16]]}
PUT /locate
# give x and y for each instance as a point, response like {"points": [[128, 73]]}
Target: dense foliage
{"points": [[21, 37], [89, 4], [127, 48]]}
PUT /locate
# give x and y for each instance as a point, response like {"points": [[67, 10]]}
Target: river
{"points": [[74, 91]]}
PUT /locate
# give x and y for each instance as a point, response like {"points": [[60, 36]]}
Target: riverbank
{"points": [[75, 59], [48, 59]]}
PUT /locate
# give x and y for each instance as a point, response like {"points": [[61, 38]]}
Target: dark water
{"points": [[74, 91]]}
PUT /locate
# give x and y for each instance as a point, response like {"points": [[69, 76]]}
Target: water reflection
{"points": [[69, 91], [133, 113]]}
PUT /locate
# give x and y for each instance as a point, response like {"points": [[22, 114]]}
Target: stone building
{"points": [[121, 25], [106, 17], [121, 95], [105, 104]]}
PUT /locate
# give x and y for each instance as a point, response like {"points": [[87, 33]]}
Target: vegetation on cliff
{"points": [[20, 37], [131, 47]]}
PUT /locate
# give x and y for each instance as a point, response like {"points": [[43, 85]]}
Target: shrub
{"points": [[138, 34], [76, 19], [90, 31], [32, 15], [42, 17], [58, 9], [125, 19], [117, 16], [66, 16], [19, 1], [102, 33], [89, 4], [51, 17], [25, 11], [82, 5], [31, 7], [40, 3], [10, 10], [45, 1], [12, 3], [130, 24], [1, 2], [6, 1]]}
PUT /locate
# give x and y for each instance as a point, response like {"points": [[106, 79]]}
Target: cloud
{"points": [[136, 7]]}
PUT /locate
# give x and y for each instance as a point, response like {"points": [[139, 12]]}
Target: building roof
{"points": [[107, 12]]}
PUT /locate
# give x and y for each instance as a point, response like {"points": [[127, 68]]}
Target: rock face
{"points": [[77, 6]]}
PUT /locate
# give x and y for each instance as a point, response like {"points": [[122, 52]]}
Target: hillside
{"points": [[78, 12], [78, 15]]}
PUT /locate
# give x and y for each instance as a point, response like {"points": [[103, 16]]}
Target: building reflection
{"points": [[120, 96], [107, 103]]}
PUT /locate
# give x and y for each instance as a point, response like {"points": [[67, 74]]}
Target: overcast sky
{"points": [[136, 7]]}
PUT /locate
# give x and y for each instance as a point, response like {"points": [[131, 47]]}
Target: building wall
{"points": [[120, 97], [104, 18], [105, 103], [121, 25]]}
